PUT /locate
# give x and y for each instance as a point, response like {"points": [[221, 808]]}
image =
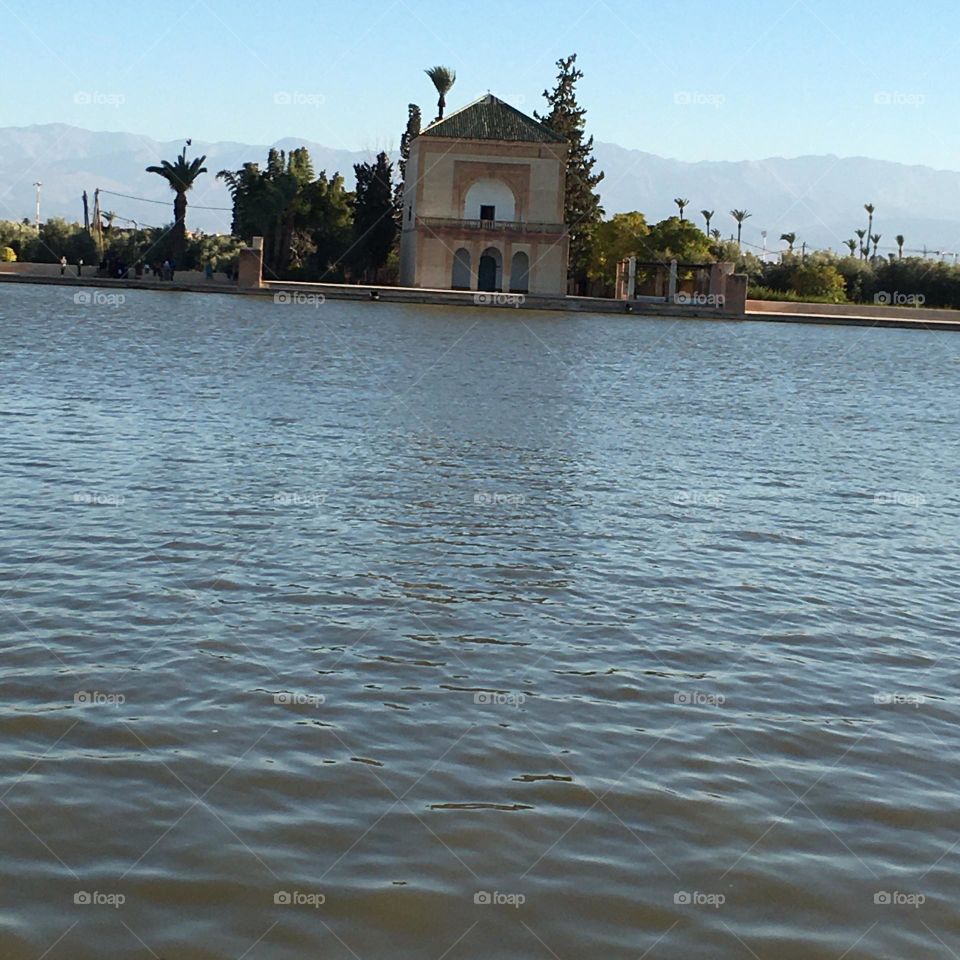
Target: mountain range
{"points": [[820, 198]]}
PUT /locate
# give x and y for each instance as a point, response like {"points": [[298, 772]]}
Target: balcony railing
{"points": [[491, 226]]}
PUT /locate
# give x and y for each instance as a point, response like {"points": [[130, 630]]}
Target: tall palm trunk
{"points": [[179, 226]]}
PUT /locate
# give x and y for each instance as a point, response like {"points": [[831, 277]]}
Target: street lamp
{"points": [[38, 185]]}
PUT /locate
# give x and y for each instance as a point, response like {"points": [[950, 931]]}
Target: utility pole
{"points": [[86, 213], [38, 185]]}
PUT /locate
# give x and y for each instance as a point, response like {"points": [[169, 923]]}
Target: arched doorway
{"points": [[461, 270], [520, 273], [490, 273]]}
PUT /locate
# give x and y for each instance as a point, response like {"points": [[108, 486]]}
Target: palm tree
{"points": [[740, 216], [443, 79], [681, 203], [901, 240], [869, 207], [109, 216], [715, 234], [876, 240], [180, 176], [708, 216], [790, 238], [861, 234]]}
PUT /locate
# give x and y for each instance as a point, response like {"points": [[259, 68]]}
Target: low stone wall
{"points": [[23, 269], [868, 311]]}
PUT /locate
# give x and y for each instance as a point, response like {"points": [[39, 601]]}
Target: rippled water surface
{"points": [[366, 631]]}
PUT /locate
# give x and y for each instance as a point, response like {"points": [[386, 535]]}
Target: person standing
{"points": [[63, 265], [80, 267]]}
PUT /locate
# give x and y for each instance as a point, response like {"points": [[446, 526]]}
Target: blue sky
{"points": [[694, 79]]}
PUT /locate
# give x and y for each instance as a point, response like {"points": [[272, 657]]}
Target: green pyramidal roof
{"points": [[491, 119]]}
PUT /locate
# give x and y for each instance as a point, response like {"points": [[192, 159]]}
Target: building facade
{"points": [[483, 204]]}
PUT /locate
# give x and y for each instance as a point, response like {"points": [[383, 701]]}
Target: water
{"points": [[644, 631]]}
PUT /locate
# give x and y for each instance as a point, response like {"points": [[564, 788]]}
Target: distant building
{"points": [[483, 204]]}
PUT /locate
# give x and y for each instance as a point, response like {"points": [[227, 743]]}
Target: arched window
{"points": [[486, 196], [490, 271], [520, 273], [461, 270]]}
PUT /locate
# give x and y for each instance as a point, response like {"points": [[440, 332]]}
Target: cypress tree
{"points": [[582, 210]]}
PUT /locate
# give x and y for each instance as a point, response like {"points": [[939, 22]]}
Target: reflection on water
{"points": [[370, 631]]}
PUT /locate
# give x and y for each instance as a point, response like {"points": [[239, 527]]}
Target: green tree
{"points": [[374, 224], [443, 79], [901, 240], [180, 176], [852, 244], [414, 120], [790, 239], [582, 210], [675, 239], [682, 204], [616, 239], [708, 216], [876, 242], [740, 216]]}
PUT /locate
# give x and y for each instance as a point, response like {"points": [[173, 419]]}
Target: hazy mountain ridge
{"points": [[819, 197]]}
